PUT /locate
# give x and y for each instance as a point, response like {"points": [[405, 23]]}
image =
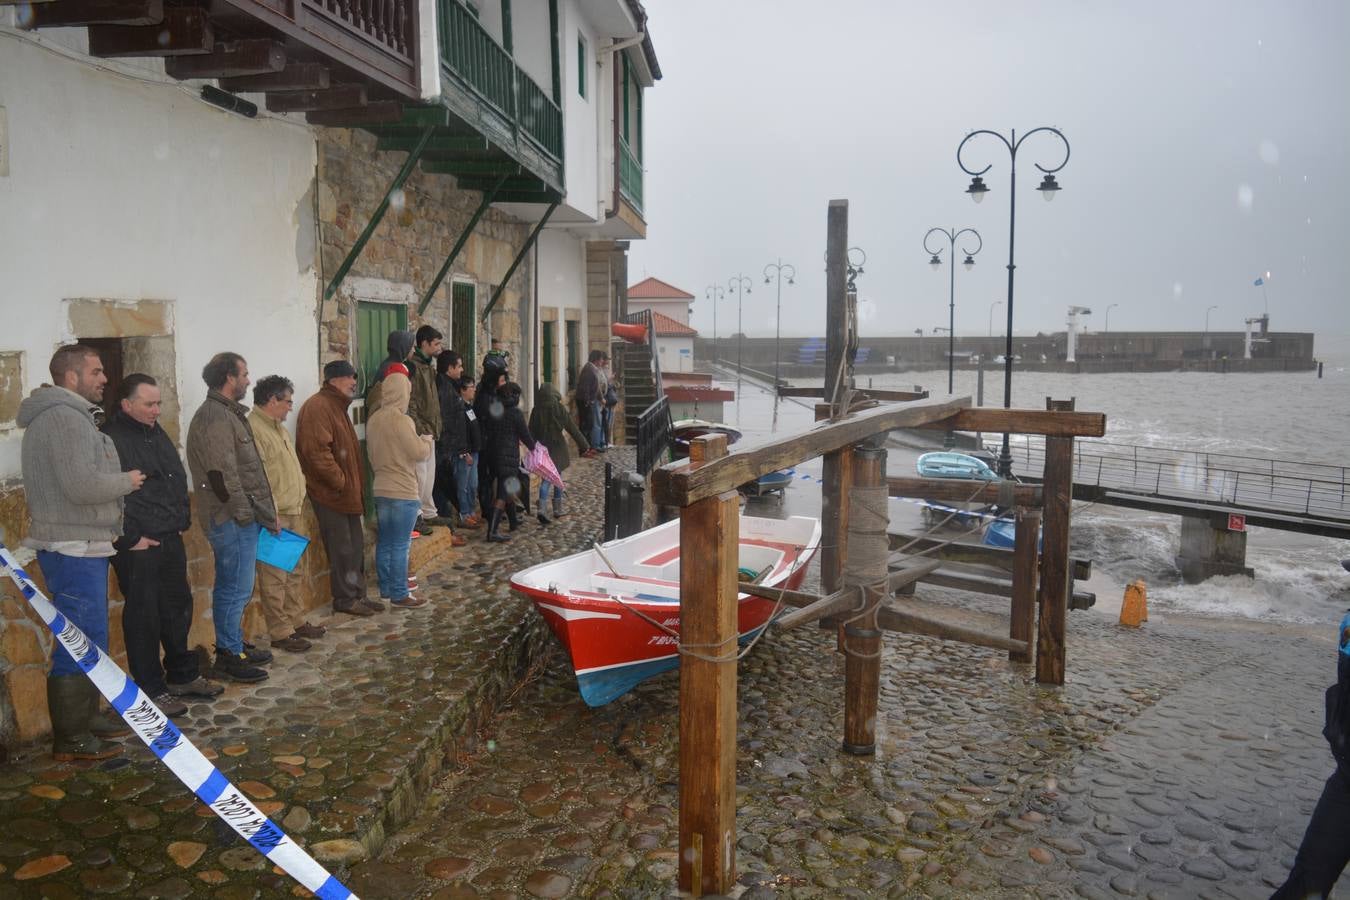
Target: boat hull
{"points": [[619, 630]]}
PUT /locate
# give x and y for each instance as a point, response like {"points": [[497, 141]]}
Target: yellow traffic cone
{"points": [[1134, 608]]}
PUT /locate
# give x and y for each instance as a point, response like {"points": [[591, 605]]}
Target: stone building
{"points": [[190, 180]]}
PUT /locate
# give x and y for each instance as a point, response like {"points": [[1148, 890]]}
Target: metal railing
{"points": [[473, 56], [630, 175], [1277, 485], [653, 435]]}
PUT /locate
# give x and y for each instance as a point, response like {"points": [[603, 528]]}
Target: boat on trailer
{"points": [[616, 608]]}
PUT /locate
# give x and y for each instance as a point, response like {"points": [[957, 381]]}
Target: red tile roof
{"points": [[656, 289], [668, 327]]}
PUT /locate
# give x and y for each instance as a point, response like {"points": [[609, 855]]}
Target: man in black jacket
{"points": [[151, 563]]}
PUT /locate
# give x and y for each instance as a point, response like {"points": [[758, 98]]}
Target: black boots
{"points": [[543, 519], [494, 523], [512, 515], [71, 700]]}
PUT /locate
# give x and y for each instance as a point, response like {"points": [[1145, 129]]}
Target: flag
{"points": [[1258, 282]]}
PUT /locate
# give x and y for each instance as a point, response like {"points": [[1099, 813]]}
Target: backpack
{"points": [[1337, 727]]}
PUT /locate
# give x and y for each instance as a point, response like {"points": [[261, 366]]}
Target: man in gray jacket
{"points": [[233, 501], [74, 485]]}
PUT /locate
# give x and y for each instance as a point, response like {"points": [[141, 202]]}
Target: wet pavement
{"points": [[1180, 760]]}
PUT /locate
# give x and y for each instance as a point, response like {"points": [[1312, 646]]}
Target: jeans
{"points": [[466, 482], [597, 425], [78, 586], [235, 548], [394, 536], [545, 488], [157, 612], [606, 419]]}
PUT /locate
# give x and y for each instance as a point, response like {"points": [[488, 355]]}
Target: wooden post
{"points": [[862, 637], [710, 536], [1023, 622], [1053, 592], [835, 479]]}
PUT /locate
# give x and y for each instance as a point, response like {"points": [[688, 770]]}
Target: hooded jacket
{"points": [[227, 472], [161, 506], [399, 344], [392, 442], [72, 477], [329, 452], [549, 422]]}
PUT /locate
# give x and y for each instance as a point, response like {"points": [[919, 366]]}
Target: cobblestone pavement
{"points": [[338, 746], [1180, 760]]}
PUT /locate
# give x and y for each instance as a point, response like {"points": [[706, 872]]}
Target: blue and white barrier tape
{"points": [[175, 751]]}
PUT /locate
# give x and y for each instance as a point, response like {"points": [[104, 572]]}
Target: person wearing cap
{"points": [[330, 457]]}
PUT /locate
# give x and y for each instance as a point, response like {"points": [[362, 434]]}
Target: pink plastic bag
{"points": [[538, 462]]}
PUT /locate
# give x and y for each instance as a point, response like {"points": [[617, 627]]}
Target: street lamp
{"points": [[1107, 328], [936, 263], [714, 293], [741, 285], [991, 315], [778, 269], [1048, 188]]}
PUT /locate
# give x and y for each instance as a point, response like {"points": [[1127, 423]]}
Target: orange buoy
{"points": [[1134, 608], [632, 332]]}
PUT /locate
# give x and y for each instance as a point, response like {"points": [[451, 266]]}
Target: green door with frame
{"points": [[374, 321], [464, 324]]}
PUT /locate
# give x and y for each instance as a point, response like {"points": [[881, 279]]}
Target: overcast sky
{"points": [[1209, 145]]}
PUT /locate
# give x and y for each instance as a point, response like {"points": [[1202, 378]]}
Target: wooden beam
{"points": [[293, 77], [526, 184], [955, 491], [893, 618], [356, 116], [424, 116], [1053, 593], [62, 13], [709, 533], [1023, 421], [894, 396], [341, 96], [970, 554], [1023, 617], [680, 484], [445, 142], [185, 30], [862, 637], [846, 599], [231, 59]]}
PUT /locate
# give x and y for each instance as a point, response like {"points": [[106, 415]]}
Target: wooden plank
{"points": [[862, 637], [228, 60], [846, 599], [893, 618], [1023, 421], [339, 96], [1053, 592], [892, 396], [61, 13], [837, 368], [1023, 616], [970, 554], [293, 77], [709, 533], [954, 490], [785, 391], [185, 30], [680, 484], [370, 114]]}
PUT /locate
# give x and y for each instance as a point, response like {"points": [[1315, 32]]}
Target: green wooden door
{"points": [[548, 351], [374, 321], [464, 324]]}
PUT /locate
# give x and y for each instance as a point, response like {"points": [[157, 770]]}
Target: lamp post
{"points": [[1107, 328], [739, 283], [991, 315], [936, 263], [1048, 188], [778, 269], [714, 293]]}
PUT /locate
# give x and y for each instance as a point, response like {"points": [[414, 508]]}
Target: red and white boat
{"points": [[602, 605]]}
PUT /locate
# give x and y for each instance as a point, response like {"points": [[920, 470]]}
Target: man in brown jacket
{"points": [[234, 500], [330, 457], [425, 410]]}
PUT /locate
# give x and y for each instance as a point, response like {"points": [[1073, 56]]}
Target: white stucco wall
{"points": [[580, 115], [562, 285], [676, 353], [123, 189], [532, 38]]}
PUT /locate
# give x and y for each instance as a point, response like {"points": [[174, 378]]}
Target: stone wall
{"points": [[409, 246]]}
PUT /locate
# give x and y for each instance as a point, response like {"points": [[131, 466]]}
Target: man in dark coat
{"points": [[151, 562]]}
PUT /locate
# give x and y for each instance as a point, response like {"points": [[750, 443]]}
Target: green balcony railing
{"points": [[630, 175], [473, 56]]}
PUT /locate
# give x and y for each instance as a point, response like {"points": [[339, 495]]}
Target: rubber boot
{"points": [[495, 522], [104, 723], [557, 505], [70, 702], [512, 515]]}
